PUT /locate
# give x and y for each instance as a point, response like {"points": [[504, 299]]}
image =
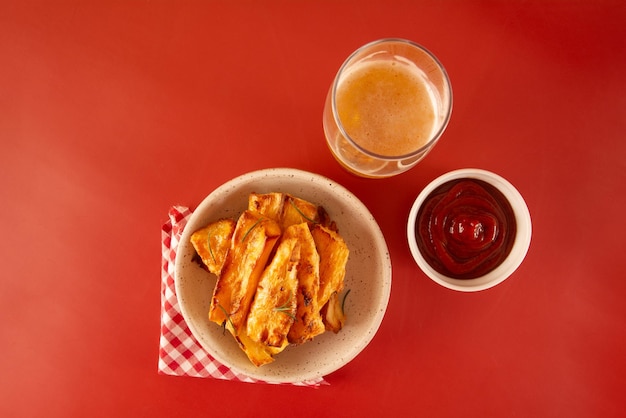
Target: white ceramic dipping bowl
{"points": [[520, 244]]}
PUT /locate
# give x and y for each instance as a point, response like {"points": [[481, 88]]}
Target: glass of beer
{"points": [[387, 107]]}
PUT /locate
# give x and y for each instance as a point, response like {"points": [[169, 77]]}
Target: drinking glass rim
{"points": [[424, 147]]}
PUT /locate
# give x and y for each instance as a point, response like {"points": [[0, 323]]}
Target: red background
{"points": [[112, 111]]}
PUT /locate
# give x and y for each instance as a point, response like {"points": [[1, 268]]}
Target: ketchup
{"points": [[465, 228]]}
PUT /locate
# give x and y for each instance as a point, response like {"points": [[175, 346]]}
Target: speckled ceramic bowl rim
{"points": [[368, 276], [520, 246]]}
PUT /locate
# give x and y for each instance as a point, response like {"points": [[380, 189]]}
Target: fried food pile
{"points": [[280, 270]]}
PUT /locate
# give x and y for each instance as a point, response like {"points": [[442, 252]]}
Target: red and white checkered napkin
{"points": [[179, 352]]}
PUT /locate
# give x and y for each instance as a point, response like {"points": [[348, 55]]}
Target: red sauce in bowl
{"points": [[465, 228]]}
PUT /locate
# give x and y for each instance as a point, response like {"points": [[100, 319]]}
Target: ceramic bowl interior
{"points": [[520, 245], [368, 277]]}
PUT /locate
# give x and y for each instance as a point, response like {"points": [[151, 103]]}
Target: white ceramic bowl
{"points": [[368, 277], [520, 245]]}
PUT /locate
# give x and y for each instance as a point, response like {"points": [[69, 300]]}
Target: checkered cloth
{"points": [[179, 352]]}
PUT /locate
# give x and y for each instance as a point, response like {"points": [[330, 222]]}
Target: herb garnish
{"points": [[300, 212], [286, 309], [343, 302], [208, 242], [227, 318], [250, 229]]}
